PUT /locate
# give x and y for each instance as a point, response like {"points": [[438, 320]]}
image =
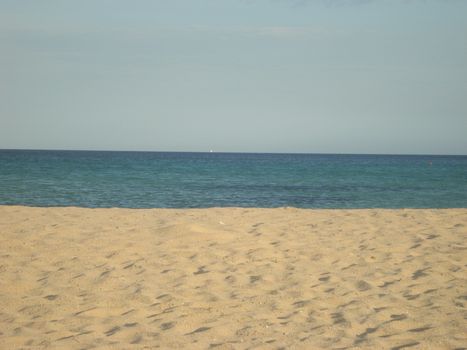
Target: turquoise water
{"points": [[182, 180]]}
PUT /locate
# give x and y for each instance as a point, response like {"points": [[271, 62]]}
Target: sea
{"points": [[98, 179]]}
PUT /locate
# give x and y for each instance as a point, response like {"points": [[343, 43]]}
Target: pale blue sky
{"points": [[316, 76]]}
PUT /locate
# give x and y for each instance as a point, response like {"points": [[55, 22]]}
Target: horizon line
{"points": [[229, 152]]}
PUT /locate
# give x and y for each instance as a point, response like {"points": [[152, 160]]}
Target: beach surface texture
{"points": [[232, 278]]}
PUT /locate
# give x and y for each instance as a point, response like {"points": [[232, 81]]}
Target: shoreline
{"points": [[232, 278], [226, 208]]}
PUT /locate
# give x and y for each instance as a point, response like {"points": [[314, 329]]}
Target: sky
{"points": [[311, 76]]}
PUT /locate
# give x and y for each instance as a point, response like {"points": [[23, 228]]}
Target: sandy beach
{"points": [[232, 278]]}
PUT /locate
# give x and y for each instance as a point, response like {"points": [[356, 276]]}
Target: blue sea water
{"points": [[187, 180]]}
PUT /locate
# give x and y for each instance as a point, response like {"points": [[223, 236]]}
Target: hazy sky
{"points": [[342, 76]]}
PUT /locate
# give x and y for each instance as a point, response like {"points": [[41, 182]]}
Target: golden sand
{"points": [[232, 278]]}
